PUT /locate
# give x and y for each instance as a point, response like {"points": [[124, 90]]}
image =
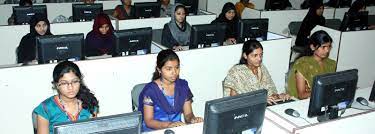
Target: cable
{"points": [[306, 120], [361, 108]]}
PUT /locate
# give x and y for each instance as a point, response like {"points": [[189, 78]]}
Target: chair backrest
{"points": [[371, 20], [294, 27], [333, 23], [137, 89]]}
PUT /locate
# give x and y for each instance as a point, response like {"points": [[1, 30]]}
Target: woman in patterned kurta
{"points": [[304, 69], [250, 74]]}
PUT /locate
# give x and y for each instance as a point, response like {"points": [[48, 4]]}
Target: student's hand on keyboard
{"points": [[275, 98]]}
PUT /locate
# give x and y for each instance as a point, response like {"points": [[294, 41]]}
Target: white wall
{"points": [[357, 51], [112, 80]]}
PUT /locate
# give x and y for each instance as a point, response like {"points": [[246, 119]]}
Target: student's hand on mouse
{"points": [[176, 124], [231, 41], [196, 120]]}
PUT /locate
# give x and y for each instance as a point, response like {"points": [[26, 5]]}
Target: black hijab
{"points": [[231, 25], [26, 51], [309, 22]]}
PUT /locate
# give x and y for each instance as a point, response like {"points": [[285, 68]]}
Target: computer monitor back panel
{"points": [[372, 94], [207, 35], [129, 123], [253, 29], [276, 4], [332, 89], [354, 21], [86, 12], [133, 41], [53, 48], [23, 14], [147, 10], [191, 5], [236, 115]]}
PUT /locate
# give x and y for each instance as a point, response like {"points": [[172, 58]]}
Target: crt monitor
{"points": [[191, 5], [246, 116], [147, 10], [277, 4], [24, 13], [339, 3], [354, 21], [207, 35], [253, 29], [54, 48], [133, 41], [86, 12], [332, 92], [128, 123]]}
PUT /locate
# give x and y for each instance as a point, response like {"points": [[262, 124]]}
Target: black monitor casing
{"points": [[86, 12], [204, 35], [129, 123], [354, 21], [23, 14], [52, 48], [133, 41], [235, 114], [147, 10], [328, 90], [252, 29]]}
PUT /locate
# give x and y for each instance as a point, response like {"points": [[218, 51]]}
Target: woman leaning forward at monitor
{"points": [[163, 100], [305, 68], [73, 101], [250, 74]]}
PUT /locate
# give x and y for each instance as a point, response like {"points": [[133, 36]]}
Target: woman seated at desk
{"points": [[73, 102], [26, 51], [359, 6], [100, 40], [305, 68], [163, 100], [229, 17], [176, 33], [250, 75], [314, 17], [165, 8], [124, 11], [241, 5]]}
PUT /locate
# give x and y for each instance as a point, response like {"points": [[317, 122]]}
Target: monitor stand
{"points": [[331, 113]]}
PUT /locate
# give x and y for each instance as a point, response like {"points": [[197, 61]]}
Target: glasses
{"points": [[66, 84]]}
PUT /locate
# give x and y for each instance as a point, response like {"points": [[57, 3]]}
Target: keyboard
{"points": [[281, 102]]}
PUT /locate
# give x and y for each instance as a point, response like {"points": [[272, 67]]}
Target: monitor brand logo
{"points": [[210, 35], [339, 89], [133, 41], [255, 28], [62, 48], [240, 116], [87, 12], [30, 14], [148, 10]]}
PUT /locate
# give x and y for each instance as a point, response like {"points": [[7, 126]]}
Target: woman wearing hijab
{"points": [[99, 40], [26, 51], [229, 17], [124, 11], [314, 17], [176, 33]]}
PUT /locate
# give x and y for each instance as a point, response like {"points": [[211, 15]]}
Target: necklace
{"points": [[71, 116]]}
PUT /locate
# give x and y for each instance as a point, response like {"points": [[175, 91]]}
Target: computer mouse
{"points": [[292, 112], [168, 131], [362, 101]]}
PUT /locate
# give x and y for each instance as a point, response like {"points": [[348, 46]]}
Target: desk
{"points": [[268, 128], [294, 125]]}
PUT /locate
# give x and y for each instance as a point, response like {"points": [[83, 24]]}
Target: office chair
{"points": [[333, 23], [137, 89]]}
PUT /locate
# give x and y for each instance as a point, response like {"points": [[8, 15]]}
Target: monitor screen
{"points": [[276, 4], [129, 123], [247, 115], [86, 12], [133, 41], [54, 48], [253, 29], [207, 35], [191, 5], [354, 21], [147, 10], [23, 14], [339, 3], [332, 92]]}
